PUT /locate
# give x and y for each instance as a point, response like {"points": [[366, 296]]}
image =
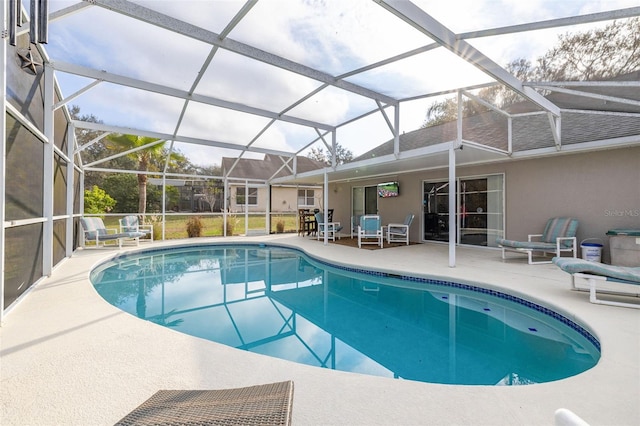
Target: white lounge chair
{"points": [[370, 228], [132, 224], [596, 274], [94, 230], [399, 232], [332, 228], [559, 236]]}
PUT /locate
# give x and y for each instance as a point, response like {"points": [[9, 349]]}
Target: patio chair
{"points": [[94, 230], [559, 236], [331, 228], [596, 274], [132, 224], [355, 221], [370, 228], [399, 232]]}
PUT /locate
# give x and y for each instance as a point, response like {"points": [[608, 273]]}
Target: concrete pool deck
{"points": [[67, 357]]}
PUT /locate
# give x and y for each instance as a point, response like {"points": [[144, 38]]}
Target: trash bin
{"points": [[624, 247], [591, 251]]}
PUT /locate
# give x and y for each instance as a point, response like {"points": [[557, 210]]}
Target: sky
{"points": [[333, 36]]}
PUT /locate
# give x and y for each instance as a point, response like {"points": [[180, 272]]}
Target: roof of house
{"points": [[584, 119], [267, 168]]}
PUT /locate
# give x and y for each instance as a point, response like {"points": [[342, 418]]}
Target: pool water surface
{"points": [[280, 302]]}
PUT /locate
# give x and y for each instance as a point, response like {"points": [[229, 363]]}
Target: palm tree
{"points": [[144, 157]]}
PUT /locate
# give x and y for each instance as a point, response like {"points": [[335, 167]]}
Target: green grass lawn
{"points": [[212, 226]]}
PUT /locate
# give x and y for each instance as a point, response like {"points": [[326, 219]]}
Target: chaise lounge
{"points": [[596, 274], [559, 236]]}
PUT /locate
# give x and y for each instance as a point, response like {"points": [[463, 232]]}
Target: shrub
{"points": [[97, 201], [280, 226], [156, 221], [194, 227], [232, 221]]}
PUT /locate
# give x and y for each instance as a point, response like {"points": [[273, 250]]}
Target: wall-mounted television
{"points": [[388, 189]]}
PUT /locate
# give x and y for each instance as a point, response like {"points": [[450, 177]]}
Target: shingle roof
{"points": [[533, 130], [264, 169]]}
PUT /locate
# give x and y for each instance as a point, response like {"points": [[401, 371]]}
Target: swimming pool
{"points": [[277, 301]]}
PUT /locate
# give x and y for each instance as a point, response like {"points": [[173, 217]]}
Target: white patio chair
{"points": [[399, 232], [370, 228]]}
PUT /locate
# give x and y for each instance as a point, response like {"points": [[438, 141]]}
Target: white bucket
{"points": [[591, 251]]}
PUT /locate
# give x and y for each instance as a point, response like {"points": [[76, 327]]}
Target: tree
{"points": [[122, 187], [595, 54], [97, 201], [95, 151], [142, 157], [343, 155], [446, 110], [151, 158], [212, 189]]}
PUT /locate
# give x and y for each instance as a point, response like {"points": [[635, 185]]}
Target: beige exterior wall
{"points": [[601, 189], [284, 199]]}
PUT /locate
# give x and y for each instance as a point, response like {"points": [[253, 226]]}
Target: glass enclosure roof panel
{"points": [[98, 39], [212, 15], [68, 84], [288, 137], [333, 106], [481, 15], [413, 114], [428, 72], [236, 78], [362, 135], [531, 45], [220, 124], [334, 36], [210, 156], [126, 107]]}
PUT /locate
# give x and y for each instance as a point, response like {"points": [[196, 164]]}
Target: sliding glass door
{"points": [[364, 200], [479, 210]]}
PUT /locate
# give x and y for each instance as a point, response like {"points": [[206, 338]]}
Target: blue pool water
{"points": [[279, 302]]}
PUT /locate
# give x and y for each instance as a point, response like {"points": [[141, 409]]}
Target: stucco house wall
{"points": [[599, 188], [284, 199]]}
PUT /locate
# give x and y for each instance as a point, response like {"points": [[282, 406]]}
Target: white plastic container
{"points": [[591, 252]]}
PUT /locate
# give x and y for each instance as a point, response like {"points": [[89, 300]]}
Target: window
{"points": [[252, 199], [306, 197]]}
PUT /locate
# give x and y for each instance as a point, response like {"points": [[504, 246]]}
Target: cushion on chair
{"points": [[370, 224], [129, 223], [93, 226], [560, 227], [527, 245], [573, 265], [398, 229]]}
